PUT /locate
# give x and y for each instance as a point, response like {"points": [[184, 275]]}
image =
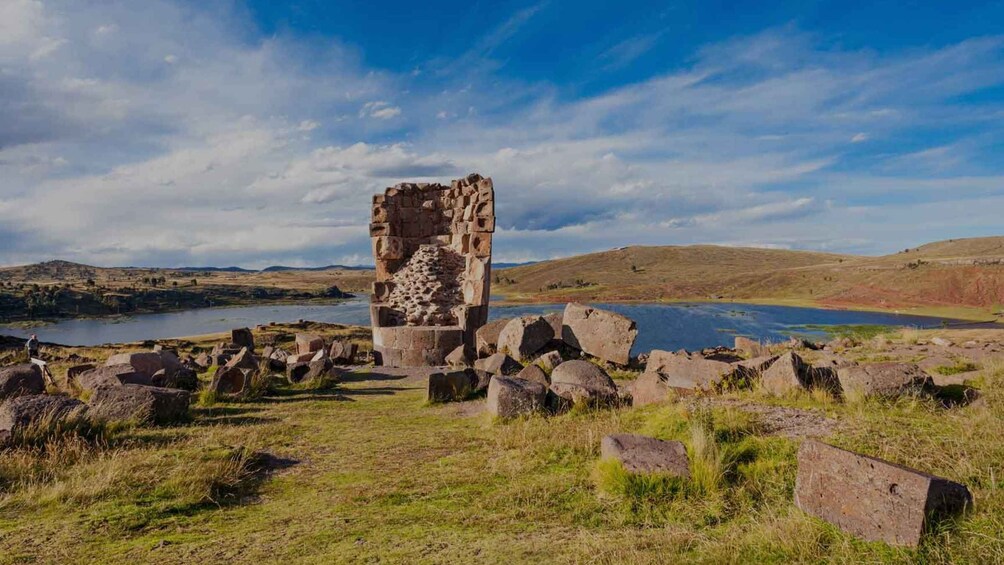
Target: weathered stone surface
{"points": [[308, 343], [556, 321], [21, 380], [452, 386], [599, 333], [231, 380], [882, 379], [533, 373], [549, 361], [18, 414], [111, 375], [511, 397], [203, 360], [750, 347], [524, 336], [458, 358], [487, 337], [142, 404], [242, 337], [643, 454], [145, 362], [942, 342], [300, 358], [182, 379], [499, 364], [649, 388], [343, 352], [73, 372], [686, 373], [579, 381], [871, 498], [787, 374]]}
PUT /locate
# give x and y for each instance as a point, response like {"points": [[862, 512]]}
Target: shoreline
{"points": [[967, 314]]}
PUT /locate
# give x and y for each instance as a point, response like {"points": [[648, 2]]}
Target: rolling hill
{"points": [[961, 277]]}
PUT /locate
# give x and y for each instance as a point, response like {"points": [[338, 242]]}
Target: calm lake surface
{"points": [[661, 326]]}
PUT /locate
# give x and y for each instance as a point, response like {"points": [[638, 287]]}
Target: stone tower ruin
{"points": [[433, 250]]}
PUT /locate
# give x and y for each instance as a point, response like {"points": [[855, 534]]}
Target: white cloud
{"points": [[859, 137], [379, 110]]}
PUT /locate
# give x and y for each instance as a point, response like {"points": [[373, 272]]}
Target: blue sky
{"points": [[170, 133]]}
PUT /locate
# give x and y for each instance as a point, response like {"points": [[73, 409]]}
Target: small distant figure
{"points": [[32, 347]]}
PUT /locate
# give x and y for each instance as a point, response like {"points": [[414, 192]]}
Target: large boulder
{"points": [[182, 379], [499, 364], [231, 380], [21, 380], [533, 373], [870, 498], [600, 333], [73, 372], [882, 379], [580, 381], [245, 359], [524, 336], [556, 321], [140, 404], [486, 338], [750, 347], [242, 337], [342, 352], [320, 370], [649, 388], [452, 386], [787, 374], [145, 362], [642, 454], [549, 361], [688, 373], [18, 415], [308, 343], [110, 375], [511, 397]]}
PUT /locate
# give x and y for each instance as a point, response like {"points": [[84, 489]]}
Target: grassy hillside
{"points": [[958, 277]]}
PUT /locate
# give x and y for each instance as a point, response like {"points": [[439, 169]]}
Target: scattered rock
{"points": [[579, 381], [343, 352], [142, 404], [499, 364], [19, 414], [882, 379], [451, 387], [308, 343], [750, 347], [871, 498], [231, 380], [182, 379], [533, 373], [787, 374], [549, 361], [600, 333], [487, 337], [458, 358], [686, 373], [21, 380], [510, 397], [942, 342], [524, 336], [556, 321], [145, 362], [242, 337], [649, 388], [642, 454], [111, 375], [73, 372]]}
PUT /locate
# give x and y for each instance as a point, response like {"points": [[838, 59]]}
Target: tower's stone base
{"points": [[415, 346]]}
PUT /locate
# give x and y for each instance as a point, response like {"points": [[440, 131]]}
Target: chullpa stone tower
{"points": [[433, 250]]}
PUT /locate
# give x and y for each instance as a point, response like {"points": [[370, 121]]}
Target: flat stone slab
{"points": [[643, 454], [882, 379], [870, 498]]}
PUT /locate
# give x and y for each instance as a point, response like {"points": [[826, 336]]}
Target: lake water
{"points": [[660, 326]]}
